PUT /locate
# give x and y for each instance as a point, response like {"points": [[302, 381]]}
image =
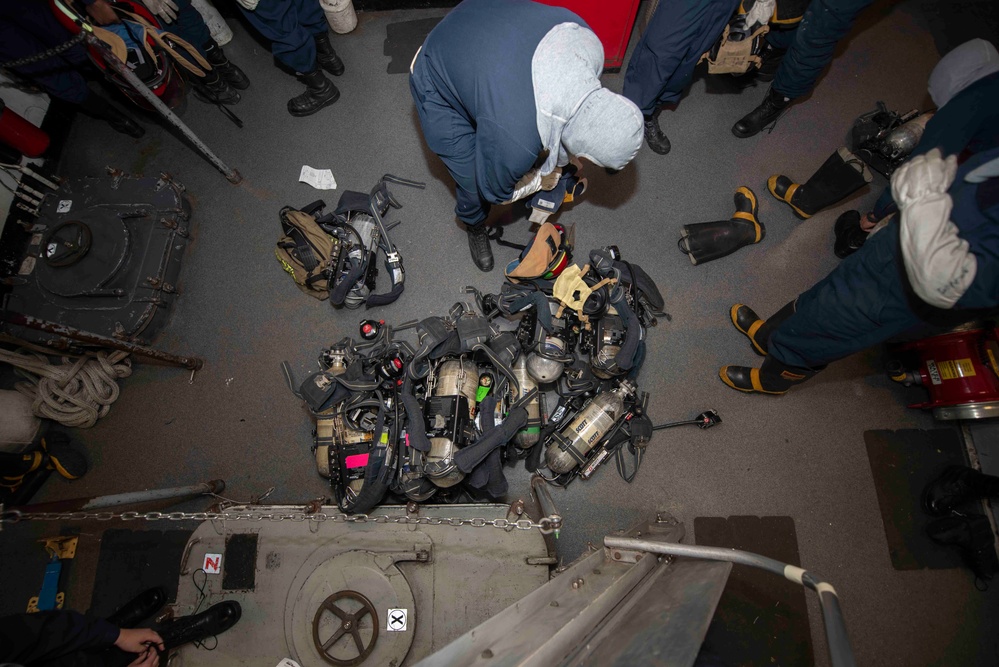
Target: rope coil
{"points": [[73, 393]]}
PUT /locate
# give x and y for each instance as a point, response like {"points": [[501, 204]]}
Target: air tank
{"points": [[448, 411], [528, 436], [569, 447]]}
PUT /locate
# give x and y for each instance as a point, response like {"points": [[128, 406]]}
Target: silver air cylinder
{"points": [[447, 417], [903, 140], [545, 367], [528, 436], [569, 447]]}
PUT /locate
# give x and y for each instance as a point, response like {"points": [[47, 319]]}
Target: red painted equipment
{"points": [[19, 134], [611, 21], [960, 370]]}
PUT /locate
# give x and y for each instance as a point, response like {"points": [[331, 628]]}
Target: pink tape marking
{"points": [[357, 461]]}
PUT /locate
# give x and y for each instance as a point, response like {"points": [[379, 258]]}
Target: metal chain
{"points": [[45, 55], [548, 524]]}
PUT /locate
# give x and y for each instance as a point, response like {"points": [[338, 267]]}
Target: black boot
{"points": [[234, 76], [63, 457], [956, 486], [213, 89], [770, 60], [139, 608], [320, 93], [770, 109], [478, 243], [850, 235], [328, 59], [213, 621], [839, 176], [654, 135], [973, 536], [13, 467], [772, 377], [705, 241], [98, 107], [756, 329]]}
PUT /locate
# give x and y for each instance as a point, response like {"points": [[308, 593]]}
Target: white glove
{"points": [[923, 176], [938, 262], [165, 9]]}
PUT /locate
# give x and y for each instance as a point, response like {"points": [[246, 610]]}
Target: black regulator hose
{"points": [[418, 439]]}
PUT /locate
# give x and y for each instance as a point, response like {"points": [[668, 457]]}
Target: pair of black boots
{"points": [[773, 376], [221, 85], [945, 497], [320, 92], [213, 621]]}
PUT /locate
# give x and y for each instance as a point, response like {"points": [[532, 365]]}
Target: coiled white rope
{"points": [[75, 393]]}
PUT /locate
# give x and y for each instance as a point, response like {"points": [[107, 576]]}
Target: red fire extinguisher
{"points": [[19, 134]]}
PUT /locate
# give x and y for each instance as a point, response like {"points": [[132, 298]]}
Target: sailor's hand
{"points": [[150, 658], [102, 12], [138, 640], [549, 181]]}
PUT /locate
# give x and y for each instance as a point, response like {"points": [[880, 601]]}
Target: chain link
{"points": [[45, 55], [546, 525]]}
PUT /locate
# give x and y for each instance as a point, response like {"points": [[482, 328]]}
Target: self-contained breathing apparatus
{"points": [[884, 139], [437, 419], [357, 230]]}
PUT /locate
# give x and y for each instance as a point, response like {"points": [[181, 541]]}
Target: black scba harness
{"points": [[357, 223]]}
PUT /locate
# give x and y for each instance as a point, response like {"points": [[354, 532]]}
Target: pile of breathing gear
{"points": [[332, 255], [438, 418]]}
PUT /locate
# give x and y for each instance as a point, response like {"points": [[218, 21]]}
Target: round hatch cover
{"points": [[355, 587]]}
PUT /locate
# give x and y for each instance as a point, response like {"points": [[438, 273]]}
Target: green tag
{"points": [[481, 393]]}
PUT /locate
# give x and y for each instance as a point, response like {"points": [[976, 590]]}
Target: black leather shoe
{"points": [[849, 234], [320, 93], [971, 534], [770, 109], [213, 621], [956, 486], [213, 89], [233, 75], [139, 608], [478, 244], [326, 55], [655, 137]]}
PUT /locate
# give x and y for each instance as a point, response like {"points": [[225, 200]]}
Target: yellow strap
{"points": [[181, 60], [744, 215]]}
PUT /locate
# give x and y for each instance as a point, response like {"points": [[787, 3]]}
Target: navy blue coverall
{"points": [[663, 62], [810, 44], [291, 26], [867, 299], [59, 638]]}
